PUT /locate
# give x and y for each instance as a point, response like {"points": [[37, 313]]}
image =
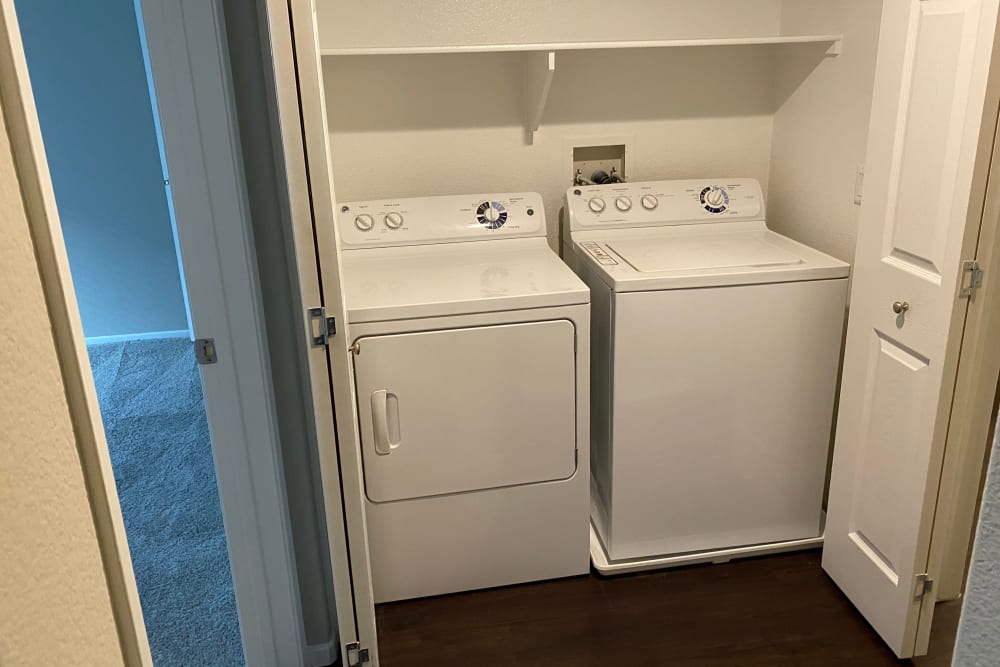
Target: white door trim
{"points": [[969, 435], [300, 122], [43, 218], [188, 54]]}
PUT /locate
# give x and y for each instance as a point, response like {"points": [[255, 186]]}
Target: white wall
{"points": [[436, 124], [350, 24], [821, 127], [55, 608], [441, 124]]}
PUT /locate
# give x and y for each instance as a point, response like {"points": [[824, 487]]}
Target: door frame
{"points": [[299, 120], [969, 438], [189, 61], [209, 196]]}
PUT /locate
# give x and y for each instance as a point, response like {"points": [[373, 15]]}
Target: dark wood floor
{"points": [[779, 610]]}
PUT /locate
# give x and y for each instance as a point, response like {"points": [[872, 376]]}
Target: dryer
{"points": [[716, 346], [470, 358]]}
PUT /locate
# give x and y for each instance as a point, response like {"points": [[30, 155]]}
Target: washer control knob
{"points": [[596, 204], [649, 202], [716, 197], [364, 222], [393, 220], [623, 203]]}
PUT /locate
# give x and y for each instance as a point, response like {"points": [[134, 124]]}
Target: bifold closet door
{"points": [[933, 114]]}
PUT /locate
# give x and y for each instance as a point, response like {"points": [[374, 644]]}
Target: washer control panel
{"points": [[654, 203], [422, 220]]}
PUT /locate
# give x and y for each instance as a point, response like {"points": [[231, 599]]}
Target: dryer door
{"points": [[466, 409]]}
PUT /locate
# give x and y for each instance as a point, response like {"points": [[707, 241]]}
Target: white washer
{"points": [[472, 382], [715, 351]]}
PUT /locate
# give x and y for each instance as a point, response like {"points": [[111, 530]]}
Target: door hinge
{"points": [[356, 655], [923, 586], [321, 326], [205, 352], [974, 281]]}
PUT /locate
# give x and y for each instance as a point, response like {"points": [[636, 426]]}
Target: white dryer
{"points": [[470, 358], [715, 352]]}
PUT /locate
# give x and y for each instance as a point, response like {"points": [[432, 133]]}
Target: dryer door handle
{"points": [[380, 422]]}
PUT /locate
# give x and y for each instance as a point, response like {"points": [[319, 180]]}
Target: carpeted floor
{"points": [[154, 416]]}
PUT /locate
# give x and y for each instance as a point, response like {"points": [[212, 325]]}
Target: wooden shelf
{"points": [[540, 58], [832, 40]]}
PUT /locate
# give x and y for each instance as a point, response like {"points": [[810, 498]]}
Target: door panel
{"points": [[437, 409], [925, 181], [923, 159], [894, 388]]}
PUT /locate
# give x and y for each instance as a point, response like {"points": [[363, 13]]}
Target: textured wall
{"points": [[89, 79], [978, 643], [54, 603]]}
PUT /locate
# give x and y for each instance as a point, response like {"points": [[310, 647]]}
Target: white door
{"points": [[435, 409], [302, 125], [923, 201]]}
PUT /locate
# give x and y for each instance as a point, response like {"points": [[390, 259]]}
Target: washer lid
{"points": [[714, 251], [456, 279], [744, 253]]}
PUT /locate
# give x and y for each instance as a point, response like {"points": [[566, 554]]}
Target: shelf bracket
{"points": [[835, 49], [539, 68]]}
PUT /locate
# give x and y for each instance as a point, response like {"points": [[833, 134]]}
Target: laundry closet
{"points": [[400, 100]]}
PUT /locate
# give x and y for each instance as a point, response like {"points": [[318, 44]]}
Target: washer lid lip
{"points": [[703, 252], [689, 257]]}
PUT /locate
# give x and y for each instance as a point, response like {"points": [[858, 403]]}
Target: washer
{"points": [[715, 352], [471, 369]]}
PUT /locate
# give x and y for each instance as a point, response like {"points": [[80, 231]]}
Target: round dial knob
{"points": [[623, 203], [393, 220], [364, 222], [714, 199], [649, 202], [596, 204], [491, 214]]}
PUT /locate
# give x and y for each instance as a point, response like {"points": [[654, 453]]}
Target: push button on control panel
{"points": [[597, 251]]}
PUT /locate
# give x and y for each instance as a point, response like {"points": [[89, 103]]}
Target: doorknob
{"points": [[900, 307]]}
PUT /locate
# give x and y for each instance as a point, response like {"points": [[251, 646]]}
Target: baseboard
{"points": [[323, 655], [150, 335]]}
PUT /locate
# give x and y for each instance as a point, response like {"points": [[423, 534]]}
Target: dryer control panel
{"points": [[657, 203], [452, 218]]}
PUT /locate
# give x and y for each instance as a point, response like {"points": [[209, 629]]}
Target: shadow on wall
{"points": [[480, 90]]}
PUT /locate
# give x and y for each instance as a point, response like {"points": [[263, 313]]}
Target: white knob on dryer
{"points": [[596, 204], [623, 203], [649, 202], [364, 222]]}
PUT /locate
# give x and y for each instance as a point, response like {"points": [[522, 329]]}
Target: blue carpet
{"points": [[154, 416]]}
